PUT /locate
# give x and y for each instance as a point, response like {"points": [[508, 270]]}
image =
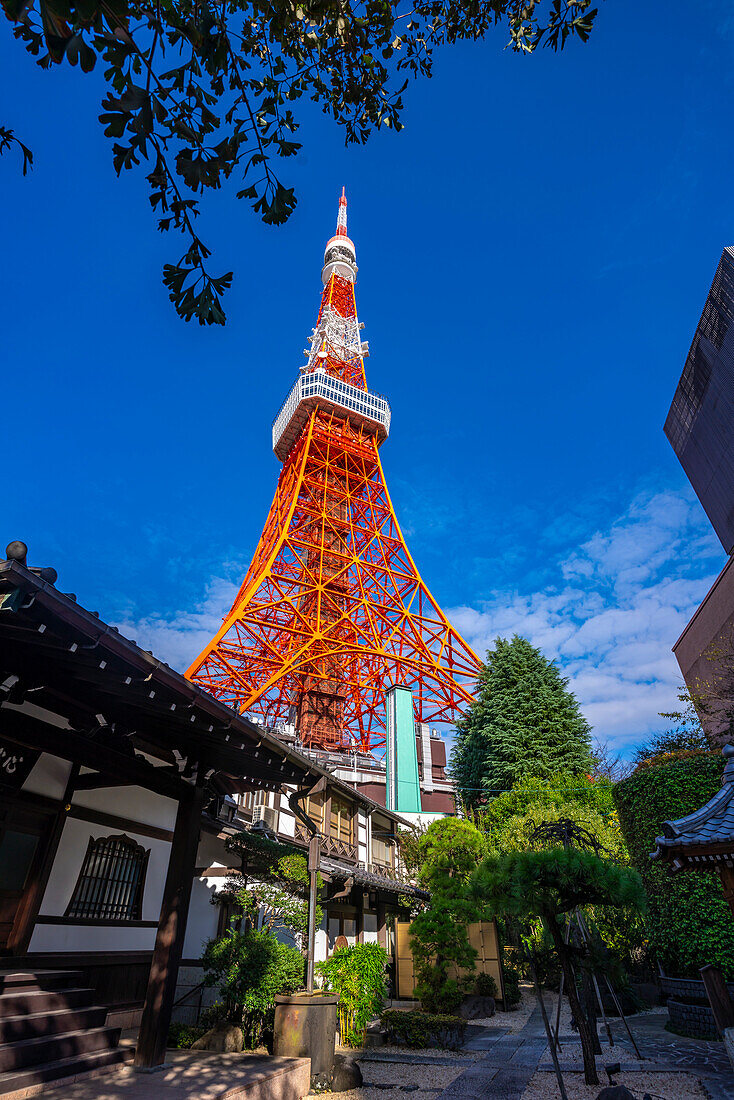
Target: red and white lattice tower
{"points": [[333, 610]]}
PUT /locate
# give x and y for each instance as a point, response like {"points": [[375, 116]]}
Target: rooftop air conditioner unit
{"points": [[266, 816]]}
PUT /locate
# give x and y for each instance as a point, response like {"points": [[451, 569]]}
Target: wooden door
{"points": [[23, 836], [404, 962]]}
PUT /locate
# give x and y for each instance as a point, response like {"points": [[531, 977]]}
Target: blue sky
{"points": [[535, 249]]}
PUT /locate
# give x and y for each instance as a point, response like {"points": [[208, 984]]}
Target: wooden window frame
{"points": [[135, 907]]}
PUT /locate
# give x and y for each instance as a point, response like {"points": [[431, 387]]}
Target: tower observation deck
{"points": [[333, 611]]}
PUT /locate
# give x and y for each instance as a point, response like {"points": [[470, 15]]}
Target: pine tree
{"points": [[523, 724]]}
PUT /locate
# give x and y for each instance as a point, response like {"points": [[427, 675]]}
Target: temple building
{"points": [[120, 786]]}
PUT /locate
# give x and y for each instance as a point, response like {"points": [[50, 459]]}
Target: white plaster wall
{"points": [[70, 937], [320, 941], [362, 846], [130, 802], [286, 822], [48, 776], [65, 872], [203, 916], [369, 931], [212, 852]]}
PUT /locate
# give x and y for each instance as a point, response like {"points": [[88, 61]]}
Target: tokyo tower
{"points": [[333, 610]]}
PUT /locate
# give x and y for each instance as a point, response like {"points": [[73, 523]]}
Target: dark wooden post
{"points": [[727, 881], [151, 1048], [719, 999], [381, 924]]}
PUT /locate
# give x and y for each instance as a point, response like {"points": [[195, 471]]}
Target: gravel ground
{"points": [[435, 1052], [515, 1019], [431, 1081], [672, 1086]]}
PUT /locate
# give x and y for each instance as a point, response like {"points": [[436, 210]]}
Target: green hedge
{"points": [[423, 1029], [688, 921]]}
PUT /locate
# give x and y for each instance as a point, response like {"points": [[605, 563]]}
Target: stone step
{"points": [[34, 1001], [14, 1029], [42, 1049], [17, 1085], [16, 980]]}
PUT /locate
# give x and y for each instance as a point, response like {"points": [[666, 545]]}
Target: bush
{"points": [[486, 986], [422, 1029], [511, 981], [181, 1036], [357, 974], [689, 922], [251, 968]]}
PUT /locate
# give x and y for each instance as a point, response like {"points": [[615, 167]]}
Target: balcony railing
{"points": [[330, 846], [318, 388]]}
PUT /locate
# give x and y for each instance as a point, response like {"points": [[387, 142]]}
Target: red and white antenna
{"points": [[340, 257], [341, 221]]}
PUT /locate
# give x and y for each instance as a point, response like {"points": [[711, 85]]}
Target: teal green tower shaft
{"points": [[403, 787]]}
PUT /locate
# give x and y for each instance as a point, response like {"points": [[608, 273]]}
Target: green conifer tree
{"points": [[523, 724]]}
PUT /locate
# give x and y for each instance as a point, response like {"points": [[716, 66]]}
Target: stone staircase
{"points": [[51, 1031]]}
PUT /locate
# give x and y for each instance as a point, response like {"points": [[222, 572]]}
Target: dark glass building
{"points": [[700, 423]]}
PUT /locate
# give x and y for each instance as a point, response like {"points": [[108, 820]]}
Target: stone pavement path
{"points": [[510, 1062], [512, 1059]]}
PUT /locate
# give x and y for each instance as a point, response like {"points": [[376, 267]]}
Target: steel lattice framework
{"points": [[333, 610]]}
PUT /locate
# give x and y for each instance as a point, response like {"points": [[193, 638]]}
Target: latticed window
{"points": [[382, 853], [341, 821], [110, 884]]}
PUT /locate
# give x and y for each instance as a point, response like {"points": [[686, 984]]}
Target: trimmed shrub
{"points": [[485, 986], [688, 921], [181, 1036], [511, 981], [422, 1029]]}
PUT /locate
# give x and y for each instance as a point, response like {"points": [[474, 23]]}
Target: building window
{"points": [[340, 826], [382, 852], [339, 925], [110, 884], [314, 807]]}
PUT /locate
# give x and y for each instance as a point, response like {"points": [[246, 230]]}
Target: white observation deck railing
{"points": [[319, 389]]}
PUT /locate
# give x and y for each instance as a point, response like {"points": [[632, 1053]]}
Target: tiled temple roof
{"points": [[707, 835]]}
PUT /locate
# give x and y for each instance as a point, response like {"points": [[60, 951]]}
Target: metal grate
{"points": [[110, 884]]}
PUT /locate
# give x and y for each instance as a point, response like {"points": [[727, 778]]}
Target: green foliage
{"points": [[357, 974], [547, 883], [485, 986], [280, 888], [450, 852], [251, 968], [689, 922], [523, 724], [511, 982], [199, 93], [686, 737], [423, 1029], [509, 820], [181, 1036]]}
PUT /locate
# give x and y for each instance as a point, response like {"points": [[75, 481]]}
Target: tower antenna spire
{"points": [[341, 221]]}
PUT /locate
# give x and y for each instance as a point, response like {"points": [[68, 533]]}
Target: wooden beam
{"points": [[719, 999], [92, 781], [26, 730], [151, 1049]]}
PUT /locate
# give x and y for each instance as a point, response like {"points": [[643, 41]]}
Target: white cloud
{"points": [[620, 602], [180, 638]]}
